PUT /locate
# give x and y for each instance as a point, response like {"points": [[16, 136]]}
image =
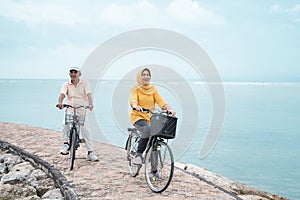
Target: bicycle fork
{"points": [[155, 155], [74, 134]]}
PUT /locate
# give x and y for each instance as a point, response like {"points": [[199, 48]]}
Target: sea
{"points": [[258, 143]]}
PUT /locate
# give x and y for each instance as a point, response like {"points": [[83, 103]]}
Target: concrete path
{"points": [[107, 179]]}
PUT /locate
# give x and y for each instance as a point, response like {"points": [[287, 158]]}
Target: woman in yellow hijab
{"points": [[144, 95]]}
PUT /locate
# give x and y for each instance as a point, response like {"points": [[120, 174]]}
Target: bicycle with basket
{"points": [[158, 153], [74, 117]]}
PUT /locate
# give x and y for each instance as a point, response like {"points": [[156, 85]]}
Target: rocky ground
{"points": [[109, 178], [19, 179]]}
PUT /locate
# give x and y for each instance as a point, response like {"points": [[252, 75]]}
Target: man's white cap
{"points": [[74, 69]]}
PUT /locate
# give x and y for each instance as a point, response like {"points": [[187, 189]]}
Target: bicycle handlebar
{"points": [[146, 110], [76, 107]]}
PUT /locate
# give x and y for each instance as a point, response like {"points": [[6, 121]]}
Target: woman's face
{"points": [[146, 77]]}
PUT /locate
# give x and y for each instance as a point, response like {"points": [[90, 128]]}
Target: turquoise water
{"points": [[259, 145]]}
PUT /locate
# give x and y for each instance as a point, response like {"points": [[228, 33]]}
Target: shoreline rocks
{"points": [[239, 189], [20, 180]]}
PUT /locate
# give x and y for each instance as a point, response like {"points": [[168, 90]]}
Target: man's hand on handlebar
{"points": [[59, 105], [91, 107]]}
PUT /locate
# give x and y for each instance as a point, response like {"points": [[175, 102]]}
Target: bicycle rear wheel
{"points": [[161, 161], [131, 147], [73, 146]]}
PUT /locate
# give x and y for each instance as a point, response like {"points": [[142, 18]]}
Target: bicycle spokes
{"points": [[159, 166], [132, 144]]}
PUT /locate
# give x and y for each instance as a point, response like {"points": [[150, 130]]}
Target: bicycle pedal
{"points": [[81, 140]]}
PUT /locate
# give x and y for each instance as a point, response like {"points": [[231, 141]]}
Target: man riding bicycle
{"points": [[78, 92]]}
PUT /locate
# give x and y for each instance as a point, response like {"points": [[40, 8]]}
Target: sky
{"points": [[248, 40]]}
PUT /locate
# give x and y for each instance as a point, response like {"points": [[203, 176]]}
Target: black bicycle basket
{"points": [[163, 126]]}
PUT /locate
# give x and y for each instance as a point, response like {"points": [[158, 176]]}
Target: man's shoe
{"points": [[92, 157], [65, 149], [157, 176], [137, 160]]}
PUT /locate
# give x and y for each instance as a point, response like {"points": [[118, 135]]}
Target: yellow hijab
{"points": [[141, 86]]}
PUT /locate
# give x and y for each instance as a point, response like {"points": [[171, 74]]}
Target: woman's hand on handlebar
{"points": [[135, 106], [171, 111], [138, 108]]}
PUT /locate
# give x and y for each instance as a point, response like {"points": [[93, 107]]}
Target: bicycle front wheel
{"points": [[159, 167], [73, 146], [131, 147]]}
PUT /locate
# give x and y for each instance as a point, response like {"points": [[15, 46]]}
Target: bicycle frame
{"points": [[74, 132], [157, 155]]}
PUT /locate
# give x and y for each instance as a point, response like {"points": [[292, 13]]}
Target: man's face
{"points": [[74, 74]]}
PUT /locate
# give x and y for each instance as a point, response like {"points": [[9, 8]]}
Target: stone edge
{"points": [[59, 180], [177, 166], [235, 189]]}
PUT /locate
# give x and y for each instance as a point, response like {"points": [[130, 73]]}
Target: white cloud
{"points": [[71, 50], [275, 8], [39, 13], [144, 13], [296, 20], [45, 62], [141, 12], [296, 13], [296, 8], [290, 13], [190, 12]]}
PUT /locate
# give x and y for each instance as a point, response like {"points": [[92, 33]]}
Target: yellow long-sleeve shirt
{"points": [[145, 101]]}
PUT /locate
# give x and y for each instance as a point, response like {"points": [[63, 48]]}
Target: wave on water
{"points": [[247, 83]]}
